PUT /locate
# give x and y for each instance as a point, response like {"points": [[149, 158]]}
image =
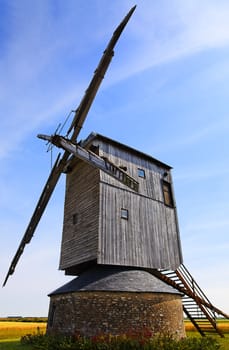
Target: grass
{"points": [[223, 325], [224, 342], [14, 345]]}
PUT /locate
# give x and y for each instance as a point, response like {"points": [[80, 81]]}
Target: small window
{"points": [[94, 149], [167, 192], [124, 214], [141, 173], [75, 219]]}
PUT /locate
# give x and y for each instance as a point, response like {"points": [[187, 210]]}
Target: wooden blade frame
{"points": [[74, 130], [93, 159]]}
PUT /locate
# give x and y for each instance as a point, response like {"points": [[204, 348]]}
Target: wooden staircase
{"points": [[196, 305]]}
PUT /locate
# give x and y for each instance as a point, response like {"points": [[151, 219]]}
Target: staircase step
{"points": [[196, 305]]}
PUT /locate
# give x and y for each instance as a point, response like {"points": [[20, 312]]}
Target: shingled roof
{"points": [[116, 279]]}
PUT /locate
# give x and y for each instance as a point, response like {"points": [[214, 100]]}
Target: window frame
{"points": [[141, 173], [167, 193], [124, 214]]}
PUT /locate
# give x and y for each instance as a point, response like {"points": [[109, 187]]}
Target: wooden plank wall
{"points": [[150, 237], [147, 239], [80, 239]]}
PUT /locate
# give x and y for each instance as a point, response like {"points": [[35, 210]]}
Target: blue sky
{"points": [[166, 93]]}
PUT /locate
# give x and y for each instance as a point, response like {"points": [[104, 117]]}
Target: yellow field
{"points": [[15, 330], [222, 324]]}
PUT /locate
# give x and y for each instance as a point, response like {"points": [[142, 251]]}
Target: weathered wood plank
{"points": [[147, 239], [79, 240]]}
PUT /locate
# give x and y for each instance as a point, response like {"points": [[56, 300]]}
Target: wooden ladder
{"points": [[196, 305]]}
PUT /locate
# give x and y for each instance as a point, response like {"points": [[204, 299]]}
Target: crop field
{"points": [[12, 331], [15, 330], [222, 324]]}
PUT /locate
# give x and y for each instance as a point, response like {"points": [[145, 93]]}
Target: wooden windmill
{"points": [[120, 232]]}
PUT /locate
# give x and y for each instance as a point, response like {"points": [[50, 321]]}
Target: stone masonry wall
{"points": [[93, 313]]}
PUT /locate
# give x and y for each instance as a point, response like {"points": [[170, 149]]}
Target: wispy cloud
{"points": [[40, 37], [185, 28], [219, 127], [34, 87]]}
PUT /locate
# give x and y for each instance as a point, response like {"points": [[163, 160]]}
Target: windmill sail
{"points": [[76, 125], [99, 73]]}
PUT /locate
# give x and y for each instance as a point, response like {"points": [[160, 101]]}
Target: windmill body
{"points": [[117, 231], [108, 223]]}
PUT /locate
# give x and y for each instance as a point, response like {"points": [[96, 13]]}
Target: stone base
{"points": [[116, 301], [93, 313]]}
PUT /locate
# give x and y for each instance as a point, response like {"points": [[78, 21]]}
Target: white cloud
{"points": [[37, 43], [163, 33], [206, 23]]}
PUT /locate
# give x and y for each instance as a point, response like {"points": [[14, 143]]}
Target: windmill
{"points": [[120, 234]]}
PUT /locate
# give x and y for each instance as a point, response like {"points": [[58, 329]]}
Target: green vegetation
{"points": [[223, 342], [132, 341], [14, 345], [190, 345], [12, 331]]}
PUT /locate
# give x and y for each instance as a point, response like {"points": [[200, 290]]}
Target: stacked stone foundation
{"points": [[91, 313]]}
